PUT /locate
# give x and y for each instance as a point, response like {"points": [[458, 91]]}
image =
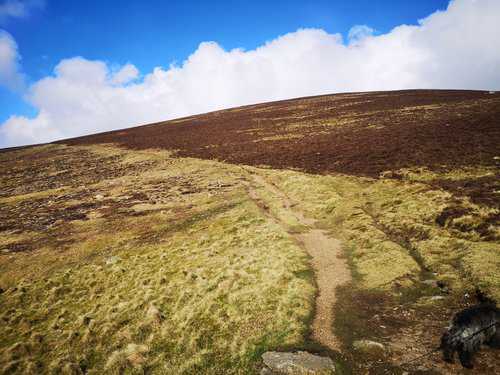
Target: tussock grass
{"points": [[176, 270], [217, 299], [335, 202], [481, 263], [31, 196], [204, 284], [392, 228]]}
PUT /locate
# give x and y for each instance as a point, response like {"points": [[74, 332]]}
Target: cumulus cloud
{"points": [[125, 74], [18, 8], [454, 48], [359, 32], [10, 75]]}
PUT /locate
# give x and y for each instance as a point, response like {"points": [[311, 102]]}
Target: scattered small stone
{"points": [[154, 315], [436, 298], [113, 260], [430, 282], [369, 347], [99, 197], [296, 363]]}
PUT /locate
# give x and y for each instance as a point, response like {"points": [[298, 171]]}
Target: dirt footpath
{"points": [[330, 268]]}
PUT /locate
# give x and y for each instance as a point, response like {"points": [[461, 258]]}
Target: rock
{"points": [[153, 315], [296, 363], [430, 282], [99, 197], [369, 347], [113, 260], [386, 174], [436, 298]]}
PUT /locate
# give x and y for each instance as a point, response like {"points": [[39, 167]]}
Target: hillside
{"points": [[195, 245], [357, 134]]}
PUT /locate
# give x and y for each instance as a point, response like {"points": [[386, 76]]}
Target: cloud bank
{"points": [[10, 75], [454, 48]]}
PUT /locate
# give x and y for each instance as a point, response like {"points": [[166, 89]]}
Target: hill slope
{"points": [[361, 134], [194, 245]]}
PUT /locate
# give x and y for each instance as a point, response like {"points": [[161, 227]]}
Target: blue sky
{"points": [[107, 35], [156, 33]]}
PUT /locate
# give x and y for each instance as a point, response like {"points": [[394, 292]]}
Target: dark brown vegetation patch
{"points": [[360, 134], [457, 217], [54, 168], [481, 190]]}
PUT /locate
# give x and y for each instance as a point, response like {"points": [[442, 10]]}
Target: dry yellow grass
{"points": [[174, 269], [390, 227], [31, 196], [204, 283]]}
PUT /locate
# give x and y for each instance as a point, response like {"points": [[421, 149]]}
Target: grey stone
{"points": [[430, 282], [113, 260], [436, 298], [369, 347], [299, 363]]}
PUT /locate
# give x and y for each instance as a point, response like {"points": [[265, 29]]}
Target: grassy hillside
{"points": [[156, 249], [164, 265]]}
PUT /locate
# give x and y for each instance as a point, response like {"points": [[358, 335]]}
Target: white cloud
{"points": [[359, 32], [455, 48], [10, 75], [18, 8], [125, 74]]}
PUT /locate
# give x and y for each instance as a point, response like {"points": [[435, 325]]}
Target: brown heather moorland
{"points": [[192, 246]]}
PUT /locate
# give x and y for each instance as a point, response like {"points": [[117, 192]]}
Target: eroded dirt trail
{"points": [[330, 268]]}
